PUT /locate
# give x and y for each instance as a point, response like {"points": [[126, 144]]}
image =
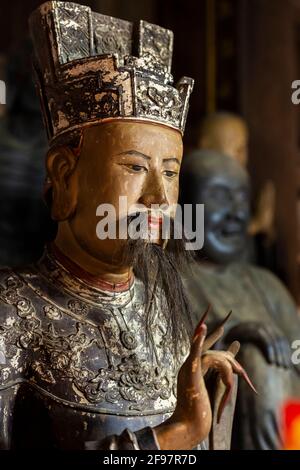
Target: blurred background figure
{"points": [[264, 317], [228, 133]]}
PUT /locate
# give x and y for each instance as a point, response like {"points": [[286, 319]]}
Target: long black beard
{"points": [[159, 270]]}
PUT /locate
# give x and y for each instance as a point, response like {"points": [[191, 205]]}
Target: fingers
{"points": [[190, 379], [218, 360], [227, 379], [258, 334], [269, 353], [285, 352], [266, 341], [225, 374], [275, 347], [280, 345], [241, 371], [198, 340], [217, 333], [226, 365], [194, 358], [279, 357], [213, 338], [194, 384], [234, 348]]}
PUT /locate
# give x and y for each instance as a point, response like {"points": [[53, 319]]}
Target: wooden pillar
{"points": [[268, 64]]}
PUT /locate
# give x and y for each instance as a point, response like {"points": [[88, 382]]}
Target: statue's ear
{"points": [[61, 163]]}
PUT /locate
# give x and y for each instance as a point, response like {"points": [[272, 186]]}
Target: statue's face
{"points": [[227, 214], [133, 159]]}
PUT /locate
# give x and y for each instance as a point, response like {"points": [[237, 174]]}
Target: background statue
{"points": [[228, 134], [264, 317]]}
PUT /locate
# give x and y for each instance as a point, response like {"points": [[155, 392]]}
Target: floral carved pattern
{"points": [[159, 102], [131, 380]]}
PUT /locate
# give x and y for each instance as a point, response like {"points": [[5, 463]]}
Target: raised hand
{"points": [[224, 363], [192, 419], [270, 341]]}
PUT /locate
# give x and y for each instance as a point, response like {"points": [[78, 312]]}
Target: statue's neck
{"points": [[90, 270], [91, 279]]}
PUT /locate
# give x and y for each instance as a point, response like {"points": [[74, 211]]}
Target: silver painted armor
{"points": [[74, 360]]}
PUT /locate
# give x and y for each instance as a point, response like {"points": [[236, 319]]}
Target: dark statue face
{"points": [[222, 185], [226, 201]]}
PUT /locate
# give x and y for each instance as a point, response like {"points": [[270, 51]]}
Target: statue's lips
{"points": [[154, 222]]}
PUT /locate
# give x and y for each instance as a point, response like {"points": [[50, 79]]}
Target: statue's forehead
{"points": [[125, 135]]}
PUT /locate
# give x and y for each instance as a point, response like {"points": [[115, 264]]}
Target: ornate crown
{"points": [[91, 68]]}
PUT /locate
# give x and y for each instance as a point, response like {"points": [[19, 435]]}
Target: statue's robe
{"points": [[253, 294], [75, 366]]}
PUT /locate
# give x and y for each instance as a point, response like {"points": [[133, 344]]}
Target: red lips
{"points": [[154, 222]]}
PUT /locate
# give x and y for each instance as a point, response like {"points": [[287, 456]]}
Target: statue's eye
{"points": [[170, 174], [136, 168]]}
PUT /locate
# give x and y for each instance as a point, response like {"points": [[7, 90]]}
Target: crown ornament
{"points": [[91, 68]]}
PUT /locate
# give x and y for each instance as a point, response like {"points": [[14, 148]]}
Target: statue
{"points": [[264, 318], [228, 134], [93, 335]]}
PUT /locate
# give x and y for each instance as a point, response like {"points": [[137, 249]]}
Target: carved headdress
{"points": [[91, 68]]}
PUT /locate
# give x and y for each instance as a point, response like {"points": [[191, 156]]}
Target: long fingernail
{"points": [[247, 379], [225, 319], [201, 322], [201, 331]]}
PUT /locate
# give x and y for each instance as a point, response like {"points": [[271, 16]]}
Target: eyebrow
{"points": [[146, 157], [135, 152], [171, 159]]}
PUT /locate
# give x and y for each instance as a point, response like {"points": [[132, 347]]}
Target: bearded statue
{"points": [[96, 339]]}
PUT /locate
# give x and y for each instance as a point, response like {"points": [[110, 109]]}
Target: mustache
{"points": [[144, 216], [171, 228]]}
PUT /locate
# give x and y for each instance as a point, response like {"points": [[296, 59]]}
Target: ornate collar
{"points": [[65, 274], [88, 278]]}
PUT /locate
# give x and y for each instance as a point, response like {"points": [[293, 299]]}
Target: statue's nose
{"points": [[154, 192]]}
